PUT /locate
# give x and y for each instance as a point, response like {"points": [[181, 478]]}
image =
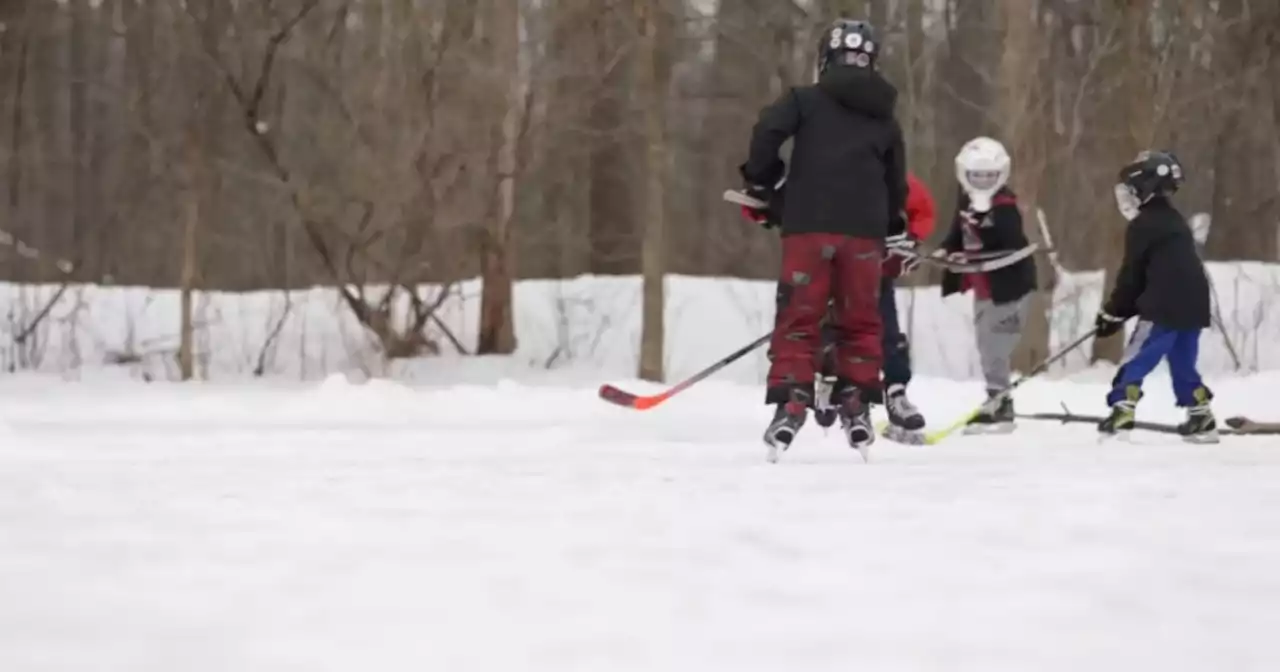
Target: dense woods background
{"points": [[250, 144]]}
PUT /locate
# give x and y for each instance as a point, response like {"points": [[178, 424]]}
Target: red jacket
{"points": [[920, 221], [920, 209]]}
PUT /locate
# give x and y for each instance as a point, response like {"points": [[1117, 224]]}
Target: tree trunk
{"points": [[1021, 120], [652, 87], [190, 257], [14, 43], [613, 221], [83, 180], [497, 327]]}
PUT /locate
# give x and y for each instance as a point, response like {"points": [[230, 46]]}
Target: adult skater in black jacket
{"points": [[845, 192], [1162, 281]]}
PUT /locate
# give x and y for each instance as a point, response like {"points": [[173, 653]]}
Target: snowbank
{"points": [[568, 330]]}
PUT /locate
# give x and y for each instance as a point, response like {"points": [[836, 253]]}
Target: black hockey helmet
{"points": [[1153, 173], [848, 42]]}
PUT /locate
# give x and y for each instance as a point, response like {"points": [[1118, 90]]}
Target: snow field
{"points": [[579, 328], [279, 527]]}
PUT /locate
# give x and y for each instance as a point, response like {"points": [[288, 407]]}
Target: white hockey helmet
{"points": [[982, 167]]}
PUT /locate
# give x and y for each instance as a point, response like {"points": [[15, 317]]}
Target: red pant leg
{"points": [[804, 289], [856, 288]]}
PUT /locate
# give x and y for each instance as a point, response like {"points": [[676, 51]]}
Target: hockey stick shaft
{"points": [[981, 262], [943, 433], [619, 397]]}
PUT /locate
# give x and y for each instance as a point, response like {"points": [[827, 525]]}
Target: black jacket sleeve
{"points": [[1006, 220], [775, 125], [953, 242], [1130, 279], [895, 163]]}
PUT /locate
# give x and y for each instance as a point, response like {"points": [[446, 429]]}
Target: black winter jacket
{"points": [[848, 172], [1000, 231], [1162, 279]]}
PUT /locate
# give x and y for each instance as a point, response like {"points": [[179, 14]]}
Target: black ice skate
{"points": [[1200, 426], [787, 421], [906, 423], [824, 408], [996, 418], [855, 421], [1123, 415]]}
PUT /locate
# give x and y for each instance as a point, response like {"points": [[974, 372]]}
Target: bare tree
{"points": [[497, 327], [652, 77]]}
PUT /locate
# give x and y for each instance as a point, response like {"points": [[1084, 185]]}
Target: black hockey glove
{"points": [[765, 216], [1107, 324]]}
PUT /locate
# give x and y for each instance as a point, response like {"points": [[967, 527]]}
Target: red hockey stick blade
{"points": [[618, 397]]}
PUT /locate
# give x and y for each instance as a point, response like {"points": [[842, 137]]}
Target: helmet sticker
{"points": [[853, 40]]}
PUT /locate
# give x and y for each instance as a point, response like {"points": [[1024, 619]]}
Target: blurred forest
{"points": [[250, 144]]}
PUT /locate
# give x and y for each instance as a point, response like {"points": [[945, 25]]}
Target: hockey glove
{"points": [[762, 216], [901, 255], [1107, 324]]}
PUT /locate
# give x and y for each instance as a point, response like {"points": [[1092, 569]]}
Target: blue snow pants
{"points": [[1151, 343]]}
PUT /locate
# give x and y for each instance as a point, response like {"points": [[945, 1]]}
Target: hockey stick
{"points": [[741, 198], [1237, 426], [982, 262], [619, 397], [935, 437]]}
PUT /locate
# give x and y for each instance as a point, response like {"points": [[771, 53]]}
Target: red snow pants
{"points": [[818, 268]]}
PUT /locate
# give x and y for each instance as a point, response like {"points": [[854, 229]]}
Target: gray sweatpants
{"points": [[998, 328]]}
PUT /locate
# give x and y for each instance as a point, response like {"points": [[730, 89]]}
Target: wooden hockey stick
{"points": [[1236, 426]]}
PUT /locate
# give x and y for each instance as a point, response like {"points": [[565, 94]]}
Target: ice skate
{"points": [[824, 410], [996, 418], [1200, 426], [906, 423], [855, 422], [1123, 416], [787, 421]]}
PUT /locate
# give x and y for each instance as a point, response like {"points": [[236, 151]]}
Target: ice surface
{"points": [[507, 527]]}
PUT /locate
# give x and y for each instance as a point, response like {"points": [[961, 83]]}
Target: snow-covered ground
{"points": [[281, 527]]}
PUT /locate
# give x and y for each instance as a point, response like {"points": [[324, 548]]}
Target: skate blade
{"points": [[776, 445], [1122, 436], [862, 445], [1205, 439]]}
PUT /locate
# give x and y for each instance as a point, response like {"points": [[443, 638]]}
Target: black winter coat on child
{"points": [[1162, 279], [999, 230], [848, 172]]}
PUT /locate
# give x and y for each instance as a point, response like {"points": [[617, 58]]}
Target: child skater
{"points": [[845, 183], [1161, 281], [987, 220]]}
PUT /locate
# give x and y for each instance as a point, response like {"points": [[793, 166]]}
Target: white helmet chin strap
{"points": [[980, 200], [1127, 202]]}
